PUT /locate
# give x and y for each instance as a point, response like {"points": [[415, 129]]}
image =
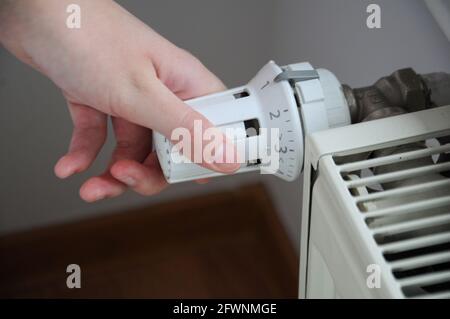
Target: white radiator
{"points": [[378, 227]]}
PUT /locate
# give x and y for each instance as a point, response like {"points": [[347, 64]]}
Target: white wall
{"points": [[234, 38]]}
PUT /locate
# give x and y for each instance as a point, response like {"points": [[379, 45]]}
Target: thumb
{"points": [[156, 107]]}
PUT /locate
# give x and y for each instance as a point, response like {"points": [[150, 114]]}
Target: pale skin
{"points": [[113, 66]]}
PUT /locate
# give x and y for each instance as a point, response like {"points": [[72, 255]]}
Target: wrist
{"points": [[23, 21]]}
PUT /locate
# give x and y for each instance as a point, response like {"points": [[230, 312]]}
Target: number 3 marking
{"points": [[281, 149]]}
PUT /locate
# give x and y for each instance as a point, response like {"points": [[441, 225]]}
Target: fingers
{"points": [[149, 104], [157, 107], [89, 134], [101, 187], [146, 178], [133, 143]]}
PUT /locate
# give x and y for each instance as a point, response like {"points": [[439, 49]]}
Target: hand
{"points": [[114, 65]]}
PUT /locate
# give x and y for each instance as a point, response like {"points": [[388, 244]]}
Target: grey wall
{"points": [[233, 38], [333, 35]]}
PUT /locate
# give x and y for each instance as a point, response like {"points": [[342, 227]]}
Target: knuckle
{"points": [[124, 144], [119, 103], [140, 82], [188, 120], [127, 92]]}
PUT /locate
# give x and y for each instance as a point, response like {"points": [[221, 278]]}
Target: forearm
{"points": [[33, 29], [36, 31], [5, 5], [25, 22], [19, 19], [8, 14], [16, 14]]}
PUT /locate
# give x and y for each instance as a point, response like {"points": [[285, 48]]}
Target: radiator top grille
{"points": [[403, 194]]}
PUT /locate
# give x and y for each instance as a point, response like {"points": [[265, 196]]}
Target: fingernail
{"points": [[61, 170], [99, 195], [130, 181], [64, 173], [220, 158]]}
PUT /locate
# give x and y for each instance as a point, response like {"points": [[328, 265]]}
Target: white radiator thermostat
{"points": [[296, 99]]}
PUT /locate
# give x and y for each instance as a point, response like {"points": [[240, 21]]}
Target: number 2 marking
{"points": [[274, 116]]}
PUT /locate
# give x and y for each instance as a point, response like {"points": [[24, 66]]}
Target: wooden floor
{"points": [[227, 245]]}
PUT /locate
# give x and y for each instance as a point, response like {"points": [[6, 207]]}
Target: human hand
{"points": [[116, 66]]}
